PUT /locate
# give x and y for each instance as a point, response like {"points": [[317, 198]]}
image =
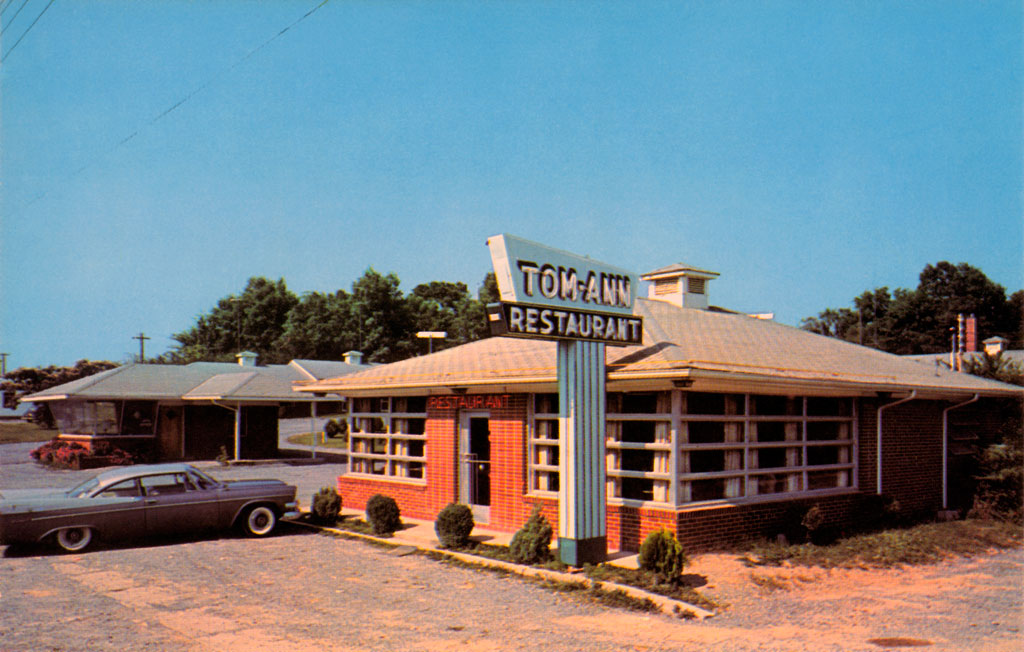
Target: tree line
{"points": [[909, 321], [375, 318]]}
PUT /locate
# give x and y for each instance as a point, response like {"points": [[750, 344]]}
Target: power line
{"points": [[14, 17], [180, 102], [23, 34]]}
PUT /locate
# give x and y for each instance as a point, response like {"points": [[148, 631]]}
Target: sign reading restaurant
{"points": [[547, 293]]}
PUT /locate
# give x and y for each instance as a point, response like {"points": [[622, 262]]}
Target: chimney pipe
{"points": [[972, 334]]}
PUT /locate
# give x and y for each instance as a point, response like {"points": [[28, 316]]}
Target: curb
{"points": [[667, 605]]}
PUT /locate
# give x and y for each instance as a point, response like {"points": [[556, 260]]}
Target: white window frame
{"points": [[397, 463]]}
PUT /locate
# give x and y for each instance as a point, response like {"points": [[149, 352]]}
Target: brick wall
{"points": [[911, 453], [912, 473]]}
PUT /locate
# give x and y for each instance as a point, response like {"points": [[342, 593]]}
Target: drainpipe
{"points": [[945, 449], [878, 422], [312, 426]]}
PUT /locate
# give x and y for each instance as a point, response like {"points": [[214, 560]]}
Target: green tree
{"points": [[448, 307], [320, 327], [29, 380], [919, 320], [254, 320], [381, 317]]}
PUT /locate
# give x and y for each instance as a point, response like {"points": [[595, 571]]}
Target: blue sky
{"points": [[806, 151]]}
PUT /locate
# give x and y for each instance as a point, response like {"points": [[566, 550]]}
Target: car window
{"points": [[164, 484], [201, 480], [125, 488]]}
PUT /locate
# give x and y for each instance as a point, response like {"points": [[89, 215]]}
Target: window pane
{"points": [[705, 432], [820, 455], [634, 460], [707, 461], [545, 403], [827, 406], [638, 431], [637, 488], [711, 489], [823, 430], [139, 418], [775, 405]]}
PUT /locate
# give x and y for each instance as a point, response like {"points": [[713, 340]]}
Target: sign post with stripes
{"points": [[583, 305]]}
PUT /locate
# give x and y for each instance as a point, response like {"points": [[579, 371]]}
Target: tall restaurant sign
{"points": [[547, 293], [583, 304]]}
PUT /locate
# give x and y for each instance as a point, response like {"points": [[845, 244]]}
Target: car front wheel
{"points": [[74, 539], [260, 521]]}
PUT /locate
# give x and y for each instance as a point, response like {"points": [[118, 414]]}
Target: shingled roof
{"points": [[716, 351], [196, 381]]}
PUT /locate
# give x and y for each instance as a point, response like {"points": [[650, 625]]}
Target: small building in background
{"points": [[189, 412]]}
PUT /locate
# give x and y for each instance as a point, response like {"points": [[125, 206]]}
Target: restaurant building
{"points": [[716, 425]]}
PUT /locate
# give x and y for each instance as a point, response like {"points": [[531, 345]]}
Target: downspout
{"points": [[878, 423], [238, 427], [945, 448]]}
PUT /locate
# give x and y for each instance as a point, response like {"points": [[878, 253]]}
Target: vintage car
{"points": [[144, 500]]}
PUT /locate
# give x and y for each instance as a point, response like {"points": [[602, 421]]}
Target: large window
{"points": [[678, 447], [542, 447], [388, 436], [105, 417]]}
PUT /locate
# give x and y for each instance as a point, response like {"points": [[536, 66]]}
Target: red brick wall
{"points": [[911, 453], [911, 467]]}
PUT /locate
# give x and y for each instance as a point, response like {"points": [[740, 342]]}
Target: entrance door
{"points": [[475, 464]]}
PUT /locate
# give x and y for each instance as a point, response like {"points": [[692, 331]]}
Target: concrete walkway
{"points": [[418, 534]]}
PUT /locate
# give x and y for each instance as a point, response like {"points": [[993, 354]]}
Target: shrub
{"points": [[1001, 489], [662, 554], [818, 532], [334, 428], [878, 512], [454, 525], [326, 506], [59, 453], [382, 514], [531, 544]]}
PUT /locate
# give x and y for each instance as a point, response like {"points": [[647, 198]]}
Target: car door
{"points": [[120, 512], [174, 504]]}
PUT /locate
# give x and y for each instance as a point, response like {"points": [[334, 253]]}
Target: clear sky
{"points": [[156, 154]]}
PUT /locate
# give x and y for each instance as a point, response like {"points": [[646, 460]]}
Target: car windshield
{"points": [[82, 490]]}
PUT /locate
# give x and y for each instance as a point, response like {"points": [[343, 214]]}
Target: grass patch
{"points": [[920, 544], [645, 580], [606, 573], [19, 432], [306, 439]]}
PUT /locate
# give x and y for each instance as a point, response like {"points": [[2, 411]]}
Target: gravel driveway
{"points": [[304, 591]]}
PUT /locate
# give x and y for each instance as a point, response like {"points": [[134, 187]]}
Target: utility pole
{"points": [[141, 337], [3, 364]]}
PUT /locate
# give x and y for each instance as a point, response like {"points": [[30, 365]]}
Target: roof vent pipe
{"points": [[878, 422]]}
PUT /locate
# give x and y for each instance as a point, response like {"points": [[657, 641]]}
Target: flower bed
{"points": [[73, 455]]}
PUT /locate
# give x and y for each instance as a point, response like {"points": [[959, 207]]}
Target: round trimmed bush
{"points": [[382, 514], [326, 506], [531, 544], [454, 525], [662, 554]]}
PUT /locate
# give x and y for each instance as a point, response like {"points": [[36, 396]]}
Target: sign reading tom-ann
{"points": [[552, 294]]}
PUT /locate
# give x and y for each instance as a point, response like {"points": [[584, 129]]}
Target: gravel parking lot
{"points": [[305, 591]]}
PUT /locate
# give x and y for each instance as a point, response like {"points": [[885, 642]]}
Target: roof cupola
{"points": [[680, 284]]}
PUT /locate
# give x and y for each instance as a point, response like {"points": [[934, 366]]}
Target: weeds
{"points": [[921, 544]]}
